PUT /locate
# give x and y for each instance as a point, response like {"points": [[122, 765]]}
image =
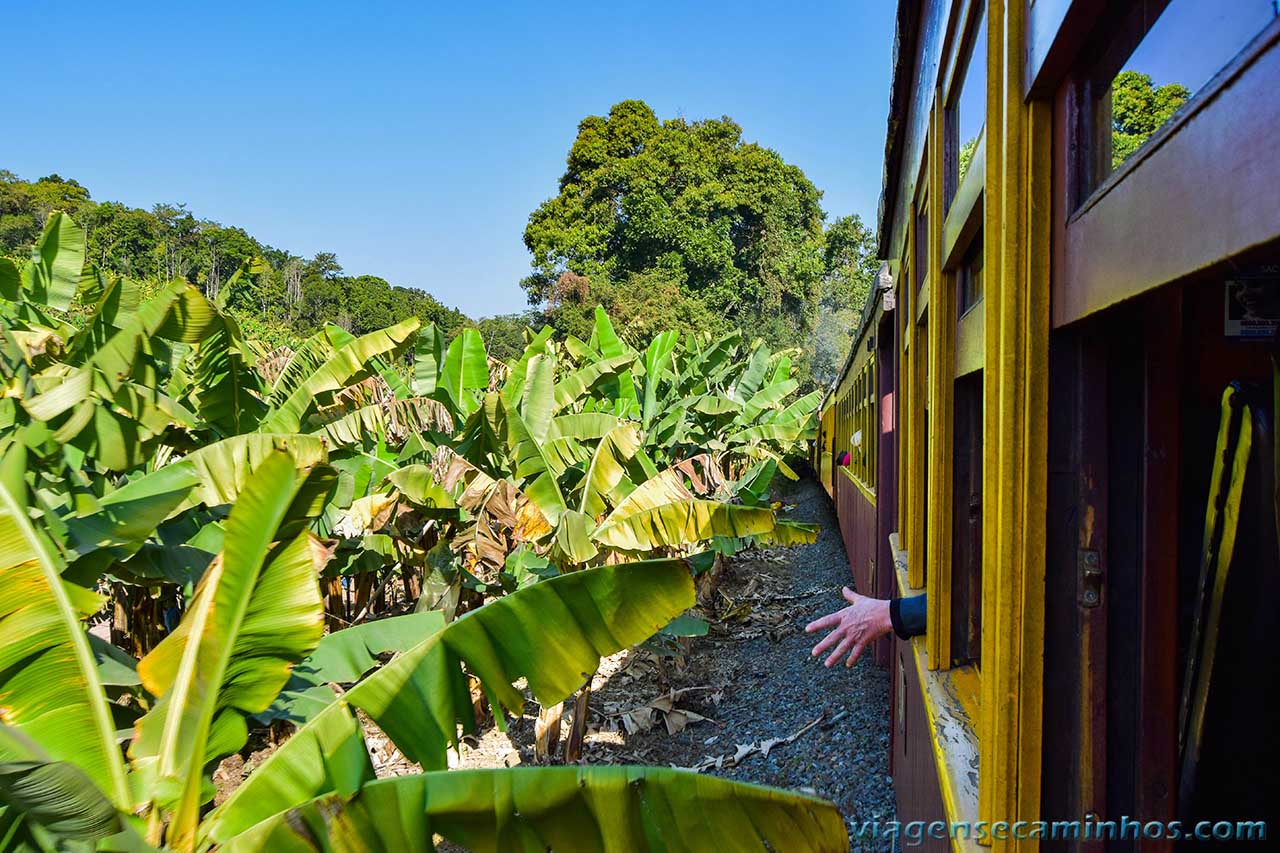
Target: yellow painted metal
{"points": [[905, 467], [951, 702], [1016, 246], [918, 547], [971, 339], [941, 394]]}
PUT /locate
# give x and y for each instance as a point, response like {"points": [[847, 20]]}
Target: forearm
{"points": [[908, 616]]}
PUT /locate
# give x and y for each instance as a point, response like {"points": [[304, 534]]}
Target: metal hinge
{"points": [[1089, 563]]}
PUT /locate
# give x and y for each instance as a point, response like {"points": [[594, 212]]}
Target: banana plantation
{"points": [[202, 538]]}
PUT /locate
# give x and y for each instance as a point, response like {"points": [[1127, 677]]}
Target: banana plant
{"points": [[256, 615]]}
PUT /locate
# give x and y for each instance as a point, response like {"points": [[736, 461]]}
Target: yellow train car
{"points": [[1059, 415]]}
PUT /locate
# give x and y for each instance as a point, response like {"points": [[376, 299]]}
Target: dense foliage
{"points": [[290, 297], [1138, 109], [683, 225], [221, 503]]}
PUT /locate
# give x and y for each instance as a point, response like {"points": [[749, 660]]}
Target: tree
{"points": [[284, 300], [850, 266], [504, 334], [1139, 109], [731, 223]]}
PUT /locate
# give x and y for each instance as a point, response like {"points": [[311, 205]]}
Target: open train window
{"points": [[966, 527], [966, 111], [1155, 56]]}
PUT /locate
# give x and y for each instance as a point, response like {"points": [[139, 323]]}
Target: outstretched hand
{"points": [[852, 628]]}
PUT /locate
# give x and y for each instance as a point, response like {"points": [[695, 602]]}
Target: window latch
{"points": [[1089, 563]]}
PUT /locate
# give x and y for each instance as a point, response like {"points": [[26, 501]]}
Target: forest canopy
{"points": [[286, 301], [683, 224]]}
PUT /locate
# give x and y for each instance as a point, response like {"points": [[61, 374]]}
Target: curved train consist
{"points": [[1056, 419]]}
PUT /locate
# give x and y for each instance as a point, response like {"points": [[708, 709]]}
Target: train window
{"points": [[1155, 59], [966, 526], [966, 108], [969, 279]]}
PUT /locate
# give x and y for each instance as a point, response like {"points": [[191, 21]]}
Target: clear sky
{"points": [[413, 140]]}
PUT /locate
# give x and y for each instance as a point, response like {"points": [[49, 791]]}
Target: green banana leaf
{"points": [[583, 426], [537, 402], [49, 684], [780, 432], [408, 416], [10, 280], [605, 470], [464, 373], [344, 657], [609, 809], [513, 390], [789, 533], [309, 357], [128, 516], [428, 352], [574, 385], [656, 358], [682, 523], [225, 467], [256, 612], [534, 473], [349, 363], [227, 391], [421, 698], [56, 804], [769, 397], [53, 276]]}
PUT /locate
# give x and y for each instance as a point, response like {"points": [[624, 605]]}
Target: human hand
{"points": [[853, 627]]}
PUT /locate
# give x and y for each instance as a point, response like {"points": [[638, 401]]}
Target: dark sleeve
{"points": [[908, 616]]}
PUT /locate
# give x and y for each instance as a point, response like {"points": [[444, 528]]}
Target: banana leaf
{"points": [[256, 612], [610, 809], [50, 688], [53, 275], [537, 402], [422, 698], [605, 470], [225, 467], [349, 363], [572, 386], [655, 361], [682, 523], [56, 806], [464, 373]]}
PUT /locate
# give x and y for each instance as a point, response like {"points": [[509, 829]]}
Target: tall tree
{"points": [[730, 222]]}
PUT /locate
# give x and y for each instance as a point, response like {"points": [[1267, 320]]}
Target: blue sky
{"points": [[413, 140]]}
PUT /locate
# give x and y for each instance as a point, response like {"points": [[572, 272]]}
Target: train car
{"points": [[1059, 409]]}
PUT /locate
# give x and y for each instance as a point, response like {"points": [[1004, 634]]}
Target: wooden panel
{"points": [[858, 529], [919, 797], [1157, 687], [1186, 200]]}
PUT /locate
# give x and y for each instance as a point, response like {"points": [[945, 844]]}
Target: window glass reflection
{"points": [[967, 109], [1176, 55]]}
